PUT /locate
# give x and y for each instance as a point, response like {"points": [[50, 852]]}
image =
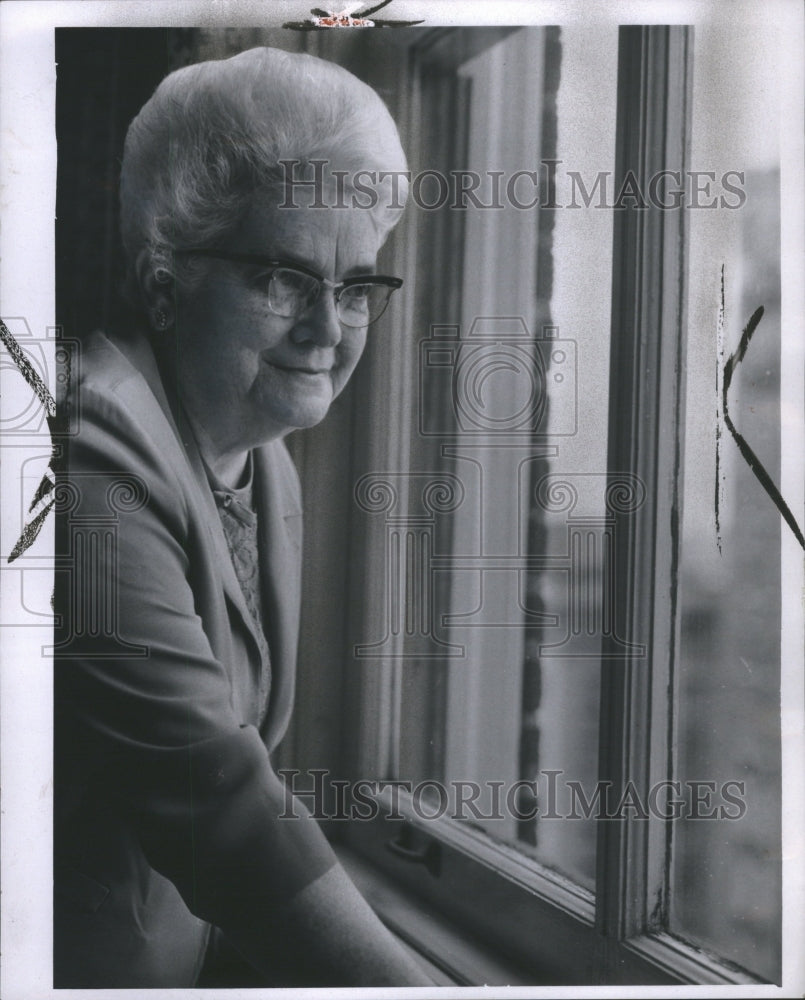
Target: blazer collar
{"points": [[279, 538]]}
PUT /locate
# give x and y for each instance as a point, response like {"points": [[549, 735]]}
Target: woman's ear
{"points": [[157, 288]]}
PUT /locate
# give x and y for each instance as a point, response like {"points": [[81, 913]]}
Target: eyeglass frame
{"points": [[277, 263]]}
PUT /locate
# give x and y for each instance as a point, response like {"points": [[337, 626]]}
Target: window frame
{"points": [[557, 932]]}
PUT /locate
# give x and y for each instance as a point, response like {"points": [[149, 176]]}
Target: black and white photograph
{"points": [[402, 433]]}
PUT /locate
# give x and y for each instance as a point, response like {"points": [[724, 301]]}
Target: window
{"points": [[536, 590]]}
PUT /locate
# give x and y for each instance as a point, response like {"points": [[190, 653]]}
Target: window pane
{"points": [[518, 581], [725, 876]]}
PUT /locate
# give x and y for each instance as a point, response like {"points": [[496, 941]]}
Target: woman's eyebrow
{"points": [[358, 270], [362, 271], [287, 258]]}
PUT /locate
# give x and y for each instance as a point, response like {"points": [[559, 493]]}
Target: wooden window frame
{"points": [[556, 932]]}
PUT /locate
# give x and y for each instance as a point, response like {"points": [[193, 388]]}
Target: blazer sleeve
{"points": [[157, 730]]}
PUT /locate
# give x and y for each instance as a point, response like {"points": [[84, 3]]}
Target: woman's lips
{"points": [[298, 369]]}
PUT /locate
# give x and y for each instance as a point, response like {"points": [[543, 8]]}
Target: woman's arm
{"points": [[195, 784], [328, 935]]}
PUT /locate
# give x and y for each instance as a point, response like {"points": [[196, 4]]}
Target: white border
{"points": [[27, 201], [791, 70]]}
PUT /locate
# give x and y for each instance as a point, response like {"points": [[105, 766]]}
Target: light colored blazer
{"points": [[167, 810]]}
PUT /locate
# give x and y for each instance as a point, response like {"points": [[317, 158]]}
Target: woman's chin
{"points": [[302, 414], [297, 399]]}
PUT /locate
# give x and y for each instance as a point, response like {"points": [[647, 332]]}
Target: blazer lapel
{"points": [[280, 528], [142, 356], [279, 540]]}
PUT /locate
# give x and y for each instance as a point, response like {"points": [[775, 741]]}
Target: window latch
{"points": [[416, 847]]}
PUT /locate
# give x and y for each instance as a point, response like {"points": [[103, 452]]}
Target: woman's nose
{"points": [[320, 324]]}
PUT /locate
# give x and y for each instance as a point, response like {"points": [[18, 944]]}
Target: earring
{"points": [[161, 319]]}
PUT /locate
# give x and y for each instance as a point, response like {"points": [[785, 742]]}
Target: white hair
{"points": [[213, 134]]}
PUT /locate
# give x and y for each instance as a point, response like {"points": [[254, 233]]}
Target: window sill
{"points": [[451, 956], [454, 955]]}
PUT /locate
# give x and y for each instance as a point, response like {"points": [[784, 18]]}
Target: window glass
{"points": [[523, 352]]}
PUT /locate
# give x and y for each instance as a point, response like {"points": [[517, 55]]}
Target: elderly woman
{"points": [[169, 842]]}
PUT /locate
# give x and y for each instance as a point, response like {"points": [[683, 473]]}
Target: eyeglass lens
{"points": [[291, 293]]}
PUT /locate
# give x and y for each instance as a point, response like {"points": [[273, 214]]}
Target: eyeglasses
{"points": [[293, 289]]}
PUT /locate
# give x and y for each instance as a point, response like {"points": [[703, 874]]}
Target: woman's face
{"points": [[247, 375]]}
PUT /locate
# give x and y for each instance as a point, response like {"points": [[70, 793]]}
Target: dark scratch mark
{"points": [[719, 484], [749, 456], [30, 531], [45, 490], [42, 490], [373, 10], [27, 370]]}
